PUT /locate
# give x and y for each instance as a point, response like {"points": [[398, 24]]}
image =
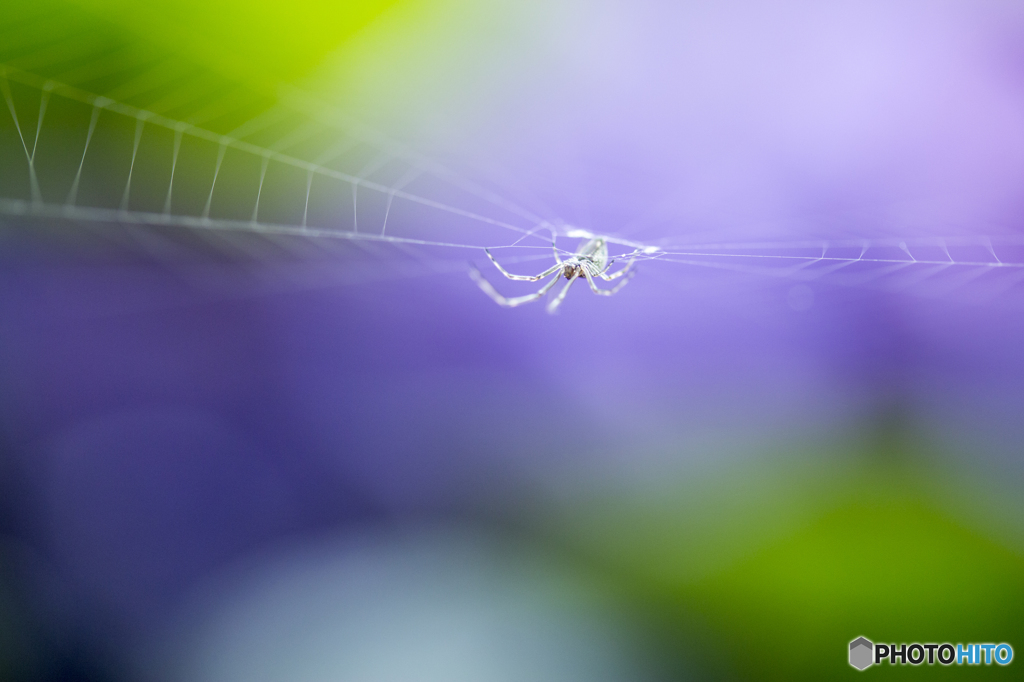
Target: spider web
{"points": [[327, 188]]}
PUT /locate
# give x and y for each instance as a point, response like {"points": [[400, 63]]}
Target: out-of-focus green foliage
{"points": [[260, 43], [769, 572]]}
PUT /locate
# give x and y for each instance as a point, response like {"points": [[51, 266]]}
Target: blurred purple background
{"points": [[169, 410]]}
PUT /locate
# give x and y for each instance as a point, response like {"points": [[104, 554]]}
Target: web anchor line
{"points": [[139, 123], [174, 166], [19, 207], [221, 149], [5, 88], [94, 117]]}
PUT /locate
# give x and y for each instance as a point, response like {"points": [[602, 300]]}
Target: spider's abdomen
{"points": [[596, 251]]}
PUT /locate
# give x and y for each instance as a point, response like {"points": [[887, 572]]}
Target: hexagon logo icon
{"points": [[861, 651]]}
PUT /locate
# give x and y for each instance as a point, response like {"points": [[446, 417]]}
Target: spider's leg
{"points": [[608, 278], [522, 278], [508, 302], [553, 306], [607, 292], [555, 249]]}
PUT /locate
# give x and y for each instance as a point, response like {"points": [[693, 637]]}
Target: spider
{"points": [[590, 261]]}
